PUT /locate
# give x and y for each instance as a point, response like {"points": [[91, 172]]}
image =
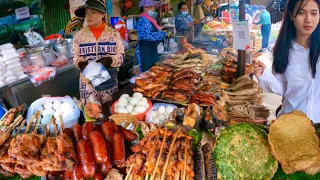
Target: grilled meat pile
{"points": [[164, 154]]}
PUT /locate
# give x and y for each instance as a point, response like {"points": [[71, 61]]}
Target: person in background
{"points": [[149, 35], [75, 24], [184, 25], [265, 21], [295, 73], [249, 19], [102, 44]]}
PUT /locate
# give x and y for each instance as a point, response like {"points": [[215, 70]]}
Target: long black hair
{"points": [[287, 34]]}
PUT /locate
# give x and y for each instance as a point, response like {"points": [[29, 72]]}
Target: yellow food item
{"points": [[295, 144]]}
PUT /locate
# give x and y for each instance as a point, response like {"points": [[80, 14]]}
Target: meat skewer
{"points": [[175, 136], [161, 150], [2, 121], [5, 134]]}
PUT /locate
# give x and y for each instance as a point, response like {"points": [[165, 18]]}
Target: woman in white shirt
{"points": [[295, 74]]}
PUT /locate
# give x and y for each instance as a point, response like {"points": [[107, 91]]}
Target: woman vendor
{"points": [[102, 44], [295, 73], [184, 25], [149, 35]]}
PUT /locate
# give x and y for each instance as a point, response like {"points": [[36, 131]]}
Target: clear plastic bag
{"points": [[41, 75], [96, 73]]}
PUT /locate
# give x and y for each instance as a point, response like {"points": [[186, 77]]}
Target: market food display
{"points": [[242, 152], [9, 116], [132, 105], [173, 160], [295, 144]]}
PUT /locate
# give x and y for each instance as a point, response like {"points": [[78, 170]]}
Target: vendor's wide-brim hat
{"points": [[92, 4], [148, 3]]}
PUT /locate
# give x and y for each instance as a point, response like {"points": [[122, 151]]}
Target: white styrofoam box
{"points": [[21, 76], [10, 50], [11, 78], [7, 73], [13, 65], [18, 73], [19, 68], [12, 60], [10, 55], [2, 78], [6, 46], [2, 83]]}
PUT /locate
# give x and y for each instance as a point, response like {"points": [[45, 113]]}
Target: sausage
{"points": [[87, 129], [115, 127], [99, 146], [77, 174], [97, 127], [67, 175], [118, 150], [98, 176], [105, 167], [85, 155], [107, 130], [127, 135], [77, 132]]}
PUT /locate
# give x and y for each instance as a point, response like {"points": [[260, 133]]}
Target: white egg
{"points": [[122, 110], [68, 110], [45, 119], [134, 113], [66, 105], [116, 105], [156, 121], [162, 110], [134, 101], [40, 108], [166, 115], [129, 99], [124, 96], [47, 106], [137, 94], [153, 114], [123, 99], [48, 112], [129, 108], [161, 117], [142, 103], [140, 109], [122, 104], [144, 100], [116, 109], [169, 109], [57, 114], [146, 106], [56, 105]]}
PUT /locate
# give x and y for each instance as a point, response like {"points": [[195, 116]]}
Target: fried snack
{"points": [[295, 144]]}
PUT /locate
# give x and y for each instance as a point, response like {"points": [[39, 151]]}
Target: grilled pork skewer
{"points": [[5, 134], [161, 151]]}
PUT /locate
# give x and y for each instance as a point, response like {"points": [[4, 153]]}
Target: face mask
{"points": [[152, 14], [184, 13]]}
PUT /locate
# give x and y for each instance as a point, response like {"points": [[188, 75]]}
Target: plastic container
{"points": [[141, 116]]}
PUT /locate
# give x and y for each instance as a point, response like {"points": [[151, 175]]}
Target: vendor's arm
{"points": [[182, 24], [78, 61], [145, 31], [272, 82], [117, 60]]}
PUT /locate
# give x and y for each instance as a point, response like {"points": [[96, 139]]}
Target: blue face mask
{"points": [[152, 14], [184, 13]]}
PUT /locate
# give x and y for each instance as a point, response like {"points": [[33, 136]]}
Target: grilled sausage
{"points": [[127, 135], [107, 130], [105, 167], [118, 150], [77, 174], [77, 132], [87, 129], [99, 146], [67, 175], [97, 127], [199, 169], [115, 127], [85, 155], [211, 172], [98, 176]]}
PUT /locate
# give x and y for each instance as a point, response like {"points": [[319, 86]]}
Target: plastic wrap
{"points": [[96, 73]]}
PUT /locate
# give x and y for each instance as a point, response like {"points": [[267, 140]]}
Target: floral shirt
{"points": [[181, 23], [146, 33]]}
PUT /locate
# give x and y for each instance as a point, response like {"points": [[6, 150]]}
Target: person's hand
{"points": [[197, 21], [259, 68], [169, 35], [105, 61]]}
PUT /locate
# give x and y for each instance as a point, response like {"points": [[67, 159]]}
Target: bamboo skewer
{"points": [[160, 154], [15, 123], [62, 125], [30, 123], [147, 177], [129, 172], [177, 175], [4, 116], [37, 122], [185, 163], [21, 125], [175, 136]]}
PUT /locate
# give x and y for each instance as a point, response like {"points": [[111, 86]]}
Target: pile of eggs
{"points": [[55, 109], [131, 105], [160, 115]]}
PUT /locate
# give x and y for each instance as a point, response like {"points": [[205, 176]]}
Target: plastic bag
{"points": [[160, 48], [69, 119], [173, 46], [41, 75], [156, 107], [96, 73]]}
